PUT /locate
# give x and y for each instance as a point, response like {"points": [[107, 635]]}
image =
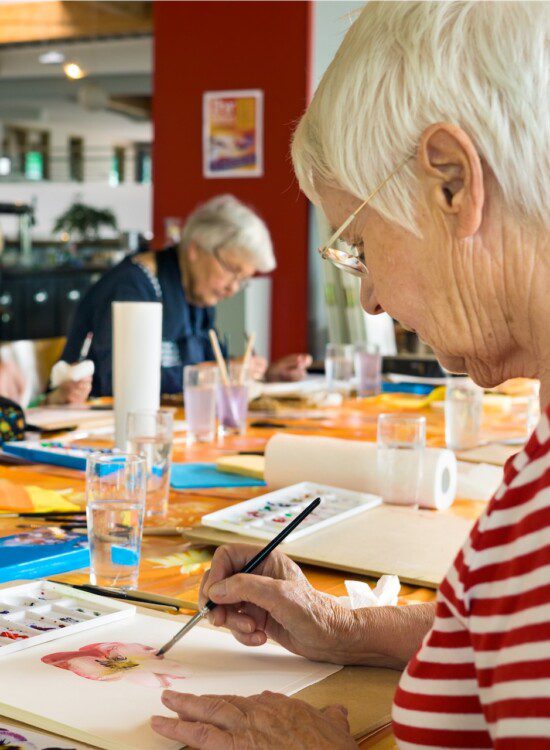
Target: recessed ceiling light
{"points": [[74, 71], [52, 58]]}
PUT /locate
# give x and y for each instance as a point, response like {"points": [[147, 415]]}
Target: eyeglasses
{"points": [[352, 262], [235, 275]]}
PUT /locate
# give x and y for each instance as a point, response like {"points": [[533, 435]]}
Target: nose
{"points": [[369, 303], [232, 288]]}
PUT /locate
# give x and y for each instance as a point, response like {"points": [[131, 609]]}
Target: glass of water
{"points": [[338, 366], [199, 387], [463, 410], [368, 370], [116, 484], [401, 444], [233, 401], [150, 434]]}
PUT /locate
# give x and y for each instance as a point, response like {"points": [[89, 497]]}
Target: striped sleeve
{"points": [[482, 676]]}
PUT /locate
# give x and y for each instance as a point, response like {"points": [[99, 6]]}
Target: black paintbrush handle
{"points": [[281, 536]]}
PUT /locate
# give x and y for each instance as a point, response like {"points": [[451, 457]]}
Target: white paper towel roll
{"points": [[351, 464], [137, 339]]}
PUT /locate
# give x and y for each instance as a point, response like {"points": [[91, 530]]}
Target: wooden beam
{"points": [[72, 19], [124, 8]]}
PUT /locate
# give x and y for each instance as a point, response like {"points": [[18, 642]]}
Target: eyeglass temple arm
{"points": [[350, 218]]}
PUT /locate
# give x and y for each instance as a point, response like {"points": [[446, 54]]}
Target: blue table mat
{"points": [[205, 475]]}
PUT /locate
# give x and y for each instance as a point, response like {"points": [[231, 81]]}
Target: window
{"points": [[143, 162], [28, 151], [116, 175], [76, 159]]}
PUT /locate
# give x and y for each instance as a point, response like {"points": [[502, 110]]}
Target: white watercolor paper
{"points": [[114, 713]]}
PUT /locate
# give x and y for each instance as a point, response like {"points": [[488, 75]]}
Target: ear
{"points": [[192, 252], [451, 164]]}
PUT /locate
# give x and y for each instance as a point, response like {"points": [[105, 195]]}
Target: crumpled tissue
{"points": [[63, 372], [360, 594]]}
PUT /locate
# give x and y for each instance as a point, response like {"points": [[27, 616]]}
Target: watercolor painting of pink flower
{"points": [[107, 662], [14, 740]]}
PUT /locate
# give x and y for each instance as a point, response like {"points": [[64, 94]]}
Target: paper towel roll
{"points": [[137, 339], [352, 465]]}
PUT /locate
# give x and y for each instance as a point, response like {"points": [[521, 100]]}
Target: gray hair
{"points": [[406, 65], [226, 222]]}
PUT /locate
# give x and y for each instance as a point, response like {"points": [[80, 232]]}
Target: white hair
{"points": [[403, 66], [226, 222]]}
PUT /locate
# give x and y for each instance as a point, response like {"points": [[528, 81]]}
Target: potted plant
{"points": [[84, 222]]}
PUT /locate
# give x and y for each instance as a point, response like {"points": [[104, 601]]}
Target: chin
{"points": [[455, 365]]}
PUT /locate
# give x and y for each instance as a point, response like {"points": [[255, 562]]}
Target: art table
{"points": [[169, 567]]}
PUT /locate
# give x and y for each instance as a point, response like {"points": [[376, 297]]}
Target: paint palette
{"points": [[42, 611], [266, 515]]}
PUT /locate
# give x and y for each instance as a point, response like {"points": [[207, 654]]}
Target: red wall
{"points": [[202, 46]]}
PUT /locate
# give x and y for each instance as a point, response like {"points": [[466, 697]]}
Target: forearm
{"points": [[387, 636]]}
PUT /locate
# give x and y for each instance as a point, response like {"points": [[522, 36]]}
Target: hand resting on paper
{"points": [[278, 602], [260, 722], [288, 369]]}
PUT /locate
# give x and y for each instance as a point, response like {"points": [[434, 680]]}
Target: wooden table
{"points": [[162, 575]]}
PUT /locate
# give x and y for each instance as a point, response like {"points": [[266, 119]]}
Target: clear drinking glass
{"points": [[150, 434], [338, 366], [401, 444], [368, 369], [116, 484], [233, 401], [199, 387], [463, 410]]}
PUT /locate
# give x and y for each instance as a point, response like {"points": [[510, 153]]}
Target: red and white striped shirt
{"points": [[481, 678]]}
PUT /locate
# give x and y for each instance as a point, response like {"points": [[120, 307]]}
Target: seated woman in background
{"points": [[18, 387], [224, 243]]}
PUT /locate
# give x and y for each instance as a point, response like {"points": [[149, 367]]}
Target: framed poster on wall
{"points": [[232, 140]]}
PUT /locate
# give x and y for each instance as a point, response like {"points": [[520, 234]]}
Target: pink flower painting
{"points": [[108, 662], [14, 740]]}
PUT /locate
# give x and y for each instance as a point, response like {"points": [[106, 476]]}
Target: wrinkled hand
{"points": [[12, 381], [276, 602], [257, 367], [261, 722], [71, 392], [291, 368]]}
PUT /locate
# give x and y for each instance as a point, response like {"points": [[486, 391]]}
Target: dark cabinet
{"points": [[41, 304]]}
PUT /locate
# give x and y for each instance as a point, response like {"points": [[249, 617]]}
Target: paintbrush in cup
{"points": [[247, 356], [222, 367]]}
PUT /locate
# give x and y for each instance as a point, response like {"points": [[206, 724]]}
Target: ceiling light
{"points": [[52, 58], [74, 71]]}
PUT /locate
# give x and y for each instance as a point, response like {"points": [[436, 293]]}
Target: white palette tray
{"points": [[267, 515], [42, 611]]}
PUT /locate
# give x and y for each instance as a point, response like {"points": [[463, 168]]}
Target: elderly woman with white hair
{"points": [[224, 243], [427, 146]]}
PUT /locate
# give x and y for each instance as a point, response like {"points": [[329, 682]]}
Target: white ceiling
{"points": [[105, 57], [33, 93]]}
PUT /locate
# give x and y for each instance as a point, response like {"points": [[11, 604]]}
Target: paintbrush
{"points": [[133, 595], [248, 568]]}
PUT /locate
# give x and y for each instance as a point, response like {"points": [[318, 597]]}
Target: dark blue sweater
{"points": [[184, 326]]}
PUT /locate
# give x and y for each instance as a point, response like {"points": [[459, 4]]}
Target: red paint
{"points": [[208, 46]]}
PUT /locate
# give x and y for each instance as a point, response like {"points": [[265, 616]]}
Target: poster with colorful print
{"points": [[233, 134]]}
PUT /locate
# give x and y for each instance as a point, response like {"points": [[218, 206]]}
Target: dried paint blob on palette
{"points": [[108, 662], [25, 739], [274, 515], [41, 611], [265, 516]]}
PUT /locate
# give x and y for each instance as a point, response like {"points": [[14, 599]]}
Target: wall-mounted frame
{"points": [[232, 141]]}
